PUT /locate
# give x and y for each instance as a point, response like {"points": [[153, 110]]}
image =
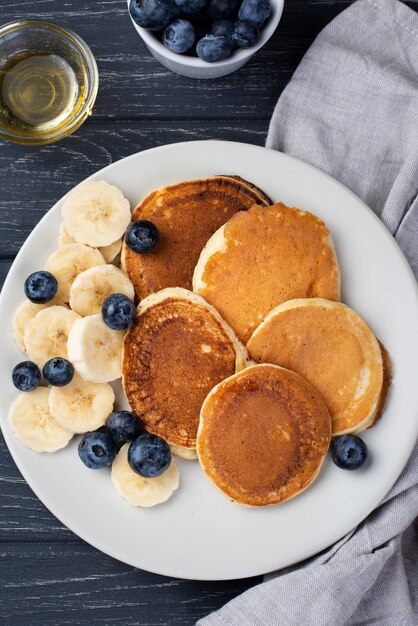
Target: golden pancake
{"points": [[186, 215], [177, 349], [263, 435], [263, 257], [333, 348]]}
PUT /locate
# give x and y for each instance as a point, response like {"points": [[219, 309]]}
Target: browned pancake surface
{"points": [[263, 435], [186, 215], [174, 353]]}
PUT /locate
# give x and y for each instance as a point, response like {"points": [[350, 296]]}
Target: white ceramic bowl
{"points": [[195, 67]]}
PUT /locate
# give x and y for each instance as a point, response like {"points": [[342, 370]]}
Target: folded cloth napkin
{"points": [[351, 109]]}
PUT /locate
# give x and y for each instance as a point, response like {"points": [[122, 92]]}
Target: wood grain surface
{"points": [[48, 576]]}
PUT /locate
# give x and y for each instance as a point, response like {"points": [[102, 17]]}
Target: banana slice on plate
{"points": [[68, 262], [141, 491], [96, 213], [33, 424], [91, 288], [95, 350], [81, 406], [64, 237], [23, 314], [46, 334], [109, 252]]}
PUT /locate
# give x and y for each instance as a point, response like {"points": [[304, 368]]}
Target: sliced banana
{"points": [[189, 454], [91, 288], [33, 424], [68, 262], [96, 213], [141, 491], [95, 350], [64, 237], [81, 406], [46, 334], [109, 252], [23, 314]]}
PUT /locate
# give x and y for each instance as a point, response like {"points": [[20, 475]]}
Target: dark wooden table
{"points": [[47, 574]]}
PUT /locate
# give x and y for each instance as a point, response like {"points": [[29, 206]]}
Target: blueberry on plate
{"points": [[223, 28], [255, 11], [348, 452], [58, 371], [149, 455], [213, 48], [220, 9], [123, 426], [141, 236], [245, 34], [152, 14], [97, 449], [179, 36], [41, 287], [190, 6], [118, 312], [26, 376]]}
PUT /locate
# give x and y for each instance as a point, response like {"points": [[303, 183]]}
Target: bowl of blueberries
{"points": [[205, 38]]}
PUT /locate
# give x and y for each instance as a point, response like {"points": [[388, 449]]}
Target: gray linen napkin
{"points": [[351, 109]]}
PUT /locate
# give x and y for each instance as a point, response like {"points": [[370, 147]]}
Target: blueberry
{"points": [[179, 36], [190, 6], [58, 371], [255, 11], [213, 48], [123, 426], [152, 14], [97, 449], [118, 312], [41, 287], [348, 452], [220, 9], [141, 236], [149, 455], [26, 376], [245, 34], [223, 28]]}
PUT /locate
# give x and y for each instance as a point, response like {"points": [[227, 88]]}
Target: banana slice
{"points": [[46, 334], [141, 491], [33, 424], [23, 314], [96, 213], [91, 288], [189, 454], [95, 350], [81, 406], [68, 262], [109, 252]]}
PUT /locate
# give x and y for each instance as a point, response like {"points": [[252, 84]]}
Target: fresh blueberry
{"points": [[179, 36], [118, 312], [348, 452], [123, 426], [58, 371], [41, 287], [213, 48], [220, 9], [97, 449], [26, 376], [245, 34], [152, 14], [141, 236], [149, 455], [255, 11], [190, 6], [223, 28]]}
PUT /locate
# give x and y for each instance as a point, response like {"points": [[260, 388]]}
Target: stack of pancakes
{"points": [[261, 364]]}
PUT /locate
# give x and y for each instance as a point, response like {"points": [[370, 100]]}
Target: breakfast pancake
{"points": [[263, 257], [186, 215], [331, 346], [177, 349], [263, 435]]}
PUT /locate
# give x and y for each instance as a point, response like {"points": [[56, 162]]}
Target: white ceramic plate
{"points": [[199, 533]]}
